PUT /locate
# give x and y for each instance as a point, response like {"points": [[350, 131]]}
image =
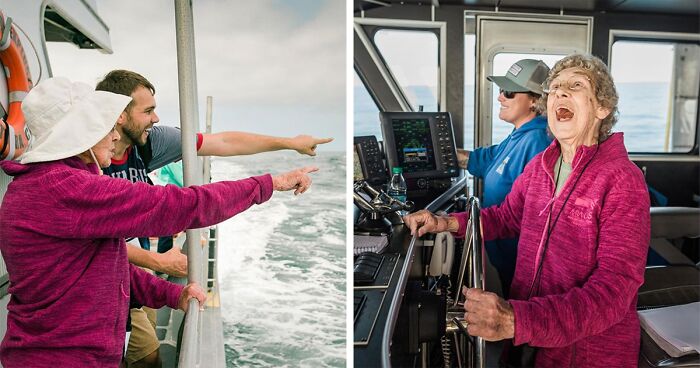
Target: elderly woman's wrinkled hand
{"points": [[298, 180], [192, 290], [423, 222], [487, 315]]}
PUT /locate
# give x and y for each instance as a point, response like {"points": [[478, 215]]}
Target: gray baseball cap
{"points": [[525, 75]]}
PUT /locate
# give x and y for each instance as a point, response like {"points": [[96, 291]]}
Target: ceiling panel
{"points": [[685, 7]]}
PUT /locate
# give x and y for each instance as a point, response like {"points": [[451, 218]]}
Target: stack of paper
{"points": [[675, 329], [369, 243]]}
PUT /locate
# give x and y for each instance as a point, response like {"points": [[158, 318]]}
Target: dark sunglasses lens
{"points": [[508, 94]]}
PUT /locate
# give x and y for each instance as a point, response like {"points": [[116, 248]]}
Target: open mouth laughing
{"points": [[564, 113]]}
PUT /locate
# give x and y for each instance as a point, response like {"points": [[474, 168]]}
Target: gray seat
{"points": [[675, 284], [669, 285], [675, 222], [670, 226]]}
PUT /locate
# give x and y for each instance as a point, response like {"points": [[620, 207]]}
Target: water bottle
{"points": [[397, 186]]}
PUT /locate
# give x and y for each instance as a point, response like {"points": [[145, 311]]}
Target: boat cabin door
{"points": [[501, 39]]}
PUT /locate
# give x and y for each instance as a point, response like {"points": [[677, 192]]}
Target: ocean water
{"points": [[282, 267], [643, 113]]}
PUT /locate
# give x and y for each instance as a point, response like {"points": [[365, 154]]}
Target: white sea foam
{"points": [[282, 271]]}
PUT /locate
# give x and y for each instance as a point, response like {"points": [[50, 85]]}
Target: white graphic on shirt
{"points": [[133, 174], [137, 174], [502, 166]]}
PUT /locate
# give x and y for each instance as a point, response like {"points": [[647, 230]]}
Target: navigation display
{"points": [[414, 145]]}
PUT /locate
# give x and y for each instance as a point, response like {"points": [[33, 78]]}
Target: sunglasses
{"points": [[508, 94]]}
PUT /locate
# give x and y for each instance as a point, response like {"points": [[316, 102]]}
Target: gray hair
{"points": [[601, 80]]}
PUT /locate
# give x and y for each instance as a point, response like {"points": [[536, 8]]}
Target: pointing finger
{"points": [[323, 140]]}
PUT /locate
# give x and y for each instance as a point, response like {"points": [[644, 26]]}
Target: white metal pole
{"points": [[187, 82]]}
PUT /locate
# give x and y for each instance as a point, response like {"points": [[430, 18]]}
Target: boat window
{"points": [[469, 89], [366, 112], [415, 68], [501, 63], [657, 84]]}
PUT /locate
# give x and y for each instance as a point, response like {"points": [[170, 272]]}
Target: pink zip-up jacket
{"points": [[61, 236], [584, 313]]}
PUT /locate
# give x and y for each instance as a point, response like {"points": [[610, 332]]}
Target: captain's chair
{"points": [[676, 282]]}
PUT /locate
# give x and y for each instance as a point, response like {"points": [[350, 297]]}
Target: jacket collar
{"points": [[611, 148]]}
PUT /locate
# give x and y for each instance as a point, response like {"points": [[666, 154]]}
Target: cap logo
{"points": [[515, 69]]}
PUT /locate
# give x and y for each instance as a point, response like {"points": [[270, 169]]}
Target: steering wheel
{"points": [[471, 274]]}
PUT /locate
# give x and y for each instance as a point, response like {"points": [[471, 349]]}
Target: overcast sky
{"points": [[274, 67]]}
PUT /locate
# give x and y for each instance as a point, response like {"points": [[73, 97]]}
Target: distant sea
{"points": [[282, 267], [643, 111]]}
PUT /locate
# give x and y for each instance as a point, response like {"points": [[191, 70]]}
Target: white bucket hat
{"points": [[67, 118]]}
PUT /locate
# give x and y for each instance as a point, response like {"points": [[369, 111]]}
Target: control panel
{"points": [[368, 160]]}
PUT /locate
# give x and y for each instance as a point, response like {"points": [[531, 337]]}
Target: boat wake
{"points": [[282, 268]]}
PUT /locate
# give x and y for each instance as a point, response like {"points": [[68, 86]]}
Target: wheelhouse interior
{"points": [[434, 56]]}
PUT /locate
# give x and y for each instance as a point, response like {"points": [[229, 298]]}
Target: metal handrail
{"points": [[397, 298], [477, 275], [396, 304], [189, 348], [472, 266], [187, 81], [189, 122], [475, 247]]}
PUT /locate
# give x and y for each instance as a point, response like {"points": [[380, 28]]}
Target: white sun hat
{"points": [[67, 118]]}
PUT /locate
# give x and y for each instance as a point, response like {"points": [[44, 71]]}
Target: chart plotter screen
{"points": [[414, 145]]}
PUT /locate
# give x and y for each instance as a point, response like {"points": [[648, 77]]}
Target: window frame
{"points": [[366, 29], [371, 95], [660, 37], [434, 32], [488, 44]]}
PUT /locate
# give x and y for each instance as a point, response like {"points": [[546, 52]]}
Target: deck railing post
{"points": [[189, 115]]}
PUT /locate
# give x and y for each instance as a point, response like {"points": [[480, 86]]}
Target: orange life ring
{"points": [[12, 129]]}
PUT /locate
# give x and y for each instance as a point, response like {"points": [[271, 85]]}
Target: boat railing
{"points": [[198, 349]]}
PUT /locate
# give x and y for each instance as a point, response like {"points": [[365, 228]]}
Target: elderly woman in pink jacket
{"points": [[581, 209], [70, 281]]}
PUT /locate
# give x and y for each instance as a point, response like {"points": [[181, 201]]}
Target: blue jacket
{"points": [[499, 165]]}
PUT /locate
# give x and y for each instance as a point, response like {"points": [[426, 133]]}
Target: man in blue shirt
{"points": [[499, 165]]}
